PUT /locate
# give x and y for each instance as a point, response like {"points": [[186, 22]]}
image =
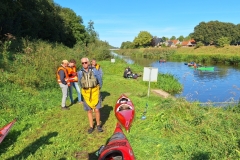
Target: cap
{"points": [[65, 61]]}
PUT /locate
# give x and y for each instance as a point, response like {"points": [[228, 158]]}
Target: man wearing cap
{"points": [[63, 81]]}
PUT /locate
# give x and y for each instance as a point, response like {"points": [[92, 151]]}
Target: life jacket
{"points": [[88, 80], [91, 96], [66, 75], [72, 73], [97, 66]]}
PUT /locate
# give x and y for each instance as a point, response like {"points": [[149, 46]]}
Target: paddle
{"points": [[144, 113]]}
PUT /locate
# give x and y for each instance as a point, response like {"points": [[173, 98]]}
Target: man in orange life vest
{"points": [[97, 66], [91, 83], [63, 81], [73, 78]]}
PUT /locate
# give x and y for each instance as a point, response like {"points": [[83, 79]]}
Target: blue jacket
{"points": [[96, 73]]}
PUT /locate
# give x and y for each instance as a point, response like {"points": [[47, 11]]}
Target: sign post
{"points": [[113, 60], [150, 74]]}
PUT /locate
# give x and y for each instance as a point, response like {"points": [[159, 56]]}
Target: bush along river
{"points": [[218, 87]]}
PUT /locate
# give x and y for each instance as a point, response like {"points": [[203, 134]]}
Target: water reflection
{"points": [[220, 85], [125, 58]]}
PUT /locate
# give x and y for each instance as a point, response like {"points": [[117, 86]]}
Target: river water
{"points": [[221, 86]]}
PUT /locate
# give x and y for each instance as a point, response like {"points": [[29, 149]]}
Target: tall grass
{"points": [[35, 63], [228, 55]]}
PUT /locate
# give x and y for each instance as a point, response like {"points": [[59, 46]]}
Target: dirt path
{"points": [[162, 93]]}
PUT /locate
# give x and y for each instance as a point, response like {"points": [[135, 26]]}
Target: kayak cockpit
{"points": [[123, 100], [123, 107], [113, 155]]}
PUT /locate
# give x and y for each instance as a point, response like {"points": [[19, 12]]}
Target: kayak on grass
{"points": [[5, 129], [124, 111], [117, 148]]}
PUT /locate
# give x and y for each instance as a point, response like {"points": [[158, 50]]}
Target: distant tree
{"points": [[210, 32], [164, 39], [187, 38], [223, 41], [143, 39], [238, 35], [91, 34], [127, 45], [180, 38], [173, 38], [199, 44]]}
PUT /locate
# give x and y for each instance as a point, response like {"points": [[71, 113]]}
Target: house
{"points": [[172, 43], [175, 42], [188, 43], [157, 41]]}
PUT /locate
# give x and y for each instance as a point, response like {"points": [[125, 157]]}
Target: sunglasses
{"points": [[84, 62]]}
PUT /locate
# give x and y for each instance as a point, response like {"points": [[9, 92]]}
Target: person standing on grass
{"points": [[97, 66], [63, 81], [94, 64], [73, 77], [91, 83]]}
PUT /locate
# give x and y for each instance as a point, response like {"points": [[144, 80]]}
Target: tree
{"points": [[181, 38], [164, 39], [187, 38], [40, 19], [223, 41], [127, 45], [173, 38], [238, 35], [91, 35], [143, 39], [210, 32], [73, 26]]}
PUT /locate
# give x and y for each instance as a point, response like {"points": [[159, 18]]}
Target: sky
{"points": [[118, 21]]}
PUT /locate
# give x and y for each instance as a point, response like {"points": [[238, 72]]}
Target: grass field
{"points": [[173, 129]]}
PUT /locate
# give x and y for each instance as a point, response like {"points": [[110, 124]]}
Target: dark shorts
{"points": [[87, 108]]}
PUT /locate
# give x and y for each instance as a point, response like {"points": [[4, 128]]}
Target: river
{"points": [[221, 86]]}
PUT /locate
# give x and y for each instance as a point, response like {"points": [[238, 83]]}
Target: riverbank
{"points": [[173, 129], [229, 55], [162, 93]]}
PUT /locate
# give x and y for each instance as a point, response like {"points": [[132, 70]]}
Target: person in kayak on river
{"points": [[91, 83]]}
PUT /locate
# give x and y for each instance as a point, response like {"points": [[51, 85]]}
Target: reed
{"points": [[229, 55]]}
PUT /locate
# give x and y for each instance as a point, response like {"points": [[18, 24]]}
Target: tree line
{"points": [[205, 33], [44, 19]]}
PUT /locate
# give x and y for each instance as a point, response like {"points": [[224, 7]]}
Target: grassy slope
{"points": [[172, 130], [228, 50]]}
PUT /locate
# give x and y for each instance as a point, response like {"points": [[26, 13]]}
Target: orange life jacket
{"points": [[66, 75], [97, 66], [72, 73]]}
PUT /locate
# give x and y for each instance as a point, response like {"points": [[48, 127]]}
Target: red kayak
{"points": [[124, 111], [4, 130], [117, 148]]}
